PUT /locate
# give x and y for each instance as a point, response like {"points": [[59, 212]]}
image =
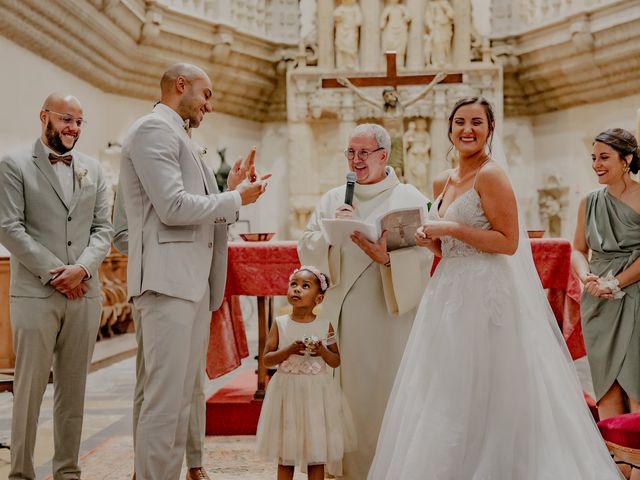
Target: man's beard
{"points": [[55, 141], [190, 111]]}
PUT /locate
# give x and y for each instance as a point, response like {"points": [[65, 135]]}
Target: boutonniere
{"points": [[82, 174], [202, 151]]}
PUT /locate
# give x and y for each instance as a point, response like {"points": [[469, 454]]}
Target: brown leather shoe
{"points": [[197, 473]]}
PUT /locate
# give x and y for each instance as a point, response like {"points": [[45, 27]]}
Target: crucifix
{"points": [[390, 106]]}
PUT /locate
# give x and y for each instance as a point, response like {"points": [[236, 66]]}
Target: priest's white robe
{"points": [[372, 305]]}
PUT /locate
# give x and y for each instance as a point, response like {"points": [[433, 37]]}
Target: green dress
{"points": [[611, 328]]}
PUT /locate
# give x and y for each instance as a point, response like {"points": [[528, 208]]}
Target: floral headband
{"points": [[322, 278]]}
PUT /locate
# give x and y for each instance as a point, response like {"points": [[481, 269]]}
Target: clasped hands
{"points": [[592, 287], [69, 281], [243, 178]]}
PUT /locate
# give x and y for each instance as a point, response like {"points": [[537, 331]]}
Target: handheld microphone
{"points": [[351, 184]]}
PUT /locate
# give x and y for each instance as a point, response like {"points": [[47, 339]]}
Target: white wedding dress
{"points": [[486, 389]]}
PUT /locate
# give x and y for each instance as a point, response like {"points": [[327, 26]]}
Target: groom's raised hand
{"points": [[240, 169]]}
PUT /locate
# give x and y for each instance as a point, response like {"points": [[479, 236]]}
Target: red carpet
{"points": [[232, 410]]}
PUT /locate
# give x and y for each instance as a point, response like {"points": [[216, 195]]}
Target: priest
{"points": [[374, 293]]}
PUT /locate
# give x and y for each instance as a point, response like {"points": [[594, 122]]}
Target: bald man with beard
{"points": [[54, 220], [177, 246]]}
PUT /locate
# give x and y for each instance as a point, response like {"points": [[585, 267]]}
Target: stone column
{"points": [[324, 25], [439, 136], [461, 48], [415, 56], [370, 38]]}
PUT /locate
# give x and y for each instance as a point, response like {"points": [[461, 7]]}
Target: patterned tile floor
{"points": [[106, 449]]}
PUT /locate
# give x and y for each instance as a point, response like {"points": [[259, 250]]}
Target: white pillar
{"points": [[324, 26], [415, 56], [370, 55], [439, 136], [461, 33]]}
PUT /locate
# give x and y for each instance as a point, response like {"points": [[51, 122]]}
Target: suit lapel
{"points": [[78, 166], [196, 157], [42, 162]]}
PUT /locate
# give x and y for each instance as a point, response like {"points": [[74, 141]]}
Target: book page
{"points": [[338, 231], [401, 225]]}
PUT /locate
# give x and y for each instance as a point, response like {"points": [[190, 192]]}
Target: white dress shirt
{"points": [[64, 173]]}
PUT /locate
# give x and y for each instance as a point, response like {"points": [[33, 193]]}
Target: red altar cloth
{"points": [[263, 269], [552, 257], [256, 269]]}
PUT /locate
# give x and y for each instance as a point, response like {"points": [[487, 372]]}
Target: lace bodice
{"points": [[288, 332], [465, 209]]}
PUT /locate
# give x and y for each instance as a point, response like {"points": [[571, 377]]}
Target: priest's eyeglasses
{"points": [[362, 154], [69, 119]]}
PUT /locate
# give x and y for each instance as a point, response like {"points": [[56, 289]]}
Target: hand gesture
{"points": [[250, 192], [344, 211], [593, 287], [240, 169], [67, 279], [377, 251], [422, 240], [434, 230], [296, 348]]}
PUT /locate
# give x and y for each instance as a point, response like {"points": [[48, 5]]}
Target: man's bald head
{"points": [[185, 70], [187, 89], [60, 101]]}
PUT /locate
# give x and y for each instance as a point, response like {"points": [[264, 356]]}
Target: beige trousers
{"points": [[48, 332], [175, 333], [197, 416]]}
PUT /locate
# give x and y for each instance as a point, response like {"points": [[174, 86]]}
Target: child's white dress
{"points": [[305, 419]]}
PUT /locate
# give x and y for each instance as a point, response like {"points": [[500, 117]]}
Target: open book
{"points": [[401, 223]]}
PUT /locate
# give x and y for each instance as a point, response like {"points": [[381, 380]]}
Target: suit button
{"points": [[69, 243], [210, 244], [69, 219]]}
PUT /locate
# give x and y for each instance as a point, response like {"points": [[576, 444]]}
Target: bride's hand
{"points": [[435, 230], [421, 238]]}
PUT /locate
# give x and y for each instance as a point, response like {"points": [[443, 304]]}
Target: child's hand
{"points": [[314, 348], [296, 348]]}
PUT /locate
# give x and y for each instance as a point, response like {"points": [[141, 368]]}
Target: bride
{"points": [[486, 389]]}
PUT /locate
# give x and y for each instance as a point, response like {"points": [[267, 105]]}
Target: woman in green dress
{"points": [[608, 229]]}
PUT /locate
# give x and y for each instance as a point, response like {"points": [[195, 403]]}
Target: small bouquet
{"points": [[611, 282]]}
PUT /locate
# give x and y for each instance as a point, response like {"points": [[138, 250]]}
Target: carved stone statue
{"points": [[552, 204], [223, 170], [394, 24], [417, 144], [391, 109], [439, 22], [347, 18]]}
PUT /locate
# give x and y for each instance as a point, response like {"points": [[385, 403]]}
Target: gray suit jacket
{"points": [[41, 231], [177, 220]]}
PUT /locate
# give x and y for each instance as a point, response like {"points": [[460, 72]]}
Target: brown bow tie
{"points": [[66, 159]]}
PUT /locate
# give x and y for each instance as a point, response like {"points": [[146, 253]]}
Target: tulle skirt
{"points": [[305, 420], [484, 390]]}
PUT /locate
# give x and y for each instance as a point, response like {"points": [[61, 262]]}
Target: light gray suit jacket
{"points": [[41, 230], [177, 220]]}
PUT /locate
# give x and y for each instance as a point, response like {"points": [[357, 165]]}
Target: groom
{"points": [[374, 293], [177, 242]]}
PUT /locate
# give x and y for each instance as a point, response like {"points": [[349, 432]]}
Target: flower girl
{"points": [[305, 420]]}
